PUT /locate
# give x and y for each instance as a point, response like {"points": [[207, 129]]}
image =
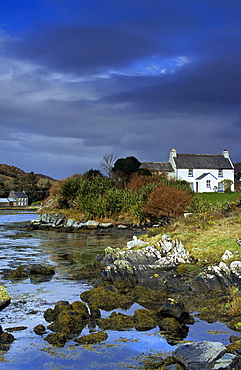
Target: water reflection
{"points": [[31, 297]]}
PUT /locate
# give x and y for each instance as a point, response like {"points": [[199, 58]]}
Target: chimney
{"points": [[225, 153], [173, 154]]}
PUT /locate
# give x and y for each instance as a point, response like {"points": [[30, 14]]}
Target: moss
{"points": [[40, 329], [145, 319], [56, 339], [89, 271], [234, 346], [81, 308], [117, 321], [107, 298], [92, 338]]}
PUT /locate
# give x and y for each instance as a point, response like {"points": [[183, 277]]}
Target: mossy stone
{"points": [[107, 298], [92, 338], [145, 319], [234, 346], [117, 321], [56, 339], [39, 329]]}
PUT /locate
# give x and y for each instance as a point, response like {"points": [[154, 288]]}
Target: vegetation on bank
{"points": [[136, 200], [206, 234]]}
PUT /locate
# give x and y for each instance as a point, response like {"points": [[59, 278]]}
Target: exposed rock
{"points": [[92, 338], [4, 297], [106, 297], [218, 278], [40, 329], [227, 255], [171, 308], [56, 339], [5, 340], [92, 224], [204, 355]]}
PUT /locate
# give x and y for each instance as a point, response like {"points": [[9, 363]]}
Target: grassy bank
{"points": [[205, 235]]}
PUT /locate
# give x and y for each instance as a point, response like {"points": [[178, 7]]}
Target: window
{"points": [[220, 173], [190, 172], [208, 183]]}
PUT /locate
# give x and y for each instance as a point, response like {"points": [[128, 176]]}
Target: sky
{"points": [[80, 79]]}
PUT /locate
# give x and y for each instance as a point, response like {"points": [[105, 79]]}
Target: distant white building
{"points": [[204, 172]]}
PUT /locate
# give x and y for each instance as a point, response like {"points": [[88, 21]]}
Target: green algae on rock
{"points": [[92, 338], [4, 297]]}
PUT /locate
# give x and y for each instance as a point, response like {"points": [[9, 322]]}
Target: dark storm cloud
{"points": [[79, 49], [80, 79]]}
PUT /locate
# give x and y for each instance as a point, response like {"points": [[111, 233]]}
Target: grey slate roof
{"points": [[20, 195], [202, 161], [157, 166]]}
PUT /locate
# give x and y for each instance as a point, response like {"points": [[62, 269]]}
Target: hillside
{"points": [[36, 186]]}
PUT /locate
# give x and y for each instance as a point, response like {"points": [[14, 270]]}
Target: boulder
{"points": [[4, 297], [92, 338], [204, 355]]}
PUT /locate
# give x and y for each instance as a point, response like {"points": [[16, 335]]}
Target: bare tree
{"points": [[107, 163]]}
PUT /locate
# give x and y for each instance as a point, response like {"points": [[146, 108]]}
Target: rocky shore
{"points": [[46, 221], [165, 280]]}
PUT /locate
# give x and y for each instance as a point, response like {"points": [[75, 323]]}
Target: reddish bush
{"points": [[167, 201], [138, 181]]}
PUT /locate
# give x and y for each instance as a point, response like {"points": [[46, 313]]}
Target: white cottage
{"points": [[204, 172]]}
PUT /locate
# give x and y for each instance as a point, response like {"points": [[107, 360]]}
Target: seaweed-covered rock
{"points": [[4, 297], [56, 339], [5, 339], [68, 319], [38, 269], [117, 321], [92, 338], [51, 314], [232, 347], [144, 319], [40, 329], [106, 297]]}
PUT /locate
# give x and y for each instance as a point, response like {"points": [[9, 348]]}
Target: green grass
{"points": [[215, 198]]}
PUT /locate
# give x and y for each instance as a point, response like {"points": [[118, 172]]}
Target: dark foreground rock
{"points": [[5, 340], [35, 272], [205, 355]]}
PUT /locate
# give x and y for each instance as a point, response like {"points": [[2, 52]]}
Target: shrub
{"points": [[167, 201]]}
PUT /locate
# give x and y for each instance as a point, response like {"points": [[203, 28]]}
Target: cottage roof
{"points": [[202, 161], [4, 200], [157, 166], [20, 195]]}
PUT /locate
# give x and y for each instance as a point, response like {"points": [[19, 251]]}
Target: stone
{"points": [[135, 242], [227, 362], [56, 339], [40, 329], [227, 255], [92, 224], [4, 297], [172, 308], [200, 355], [92, 338]]}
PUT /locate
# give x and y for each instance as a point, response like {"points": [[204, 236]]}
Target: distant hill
{"points": [[36, 186], [10, 172]]}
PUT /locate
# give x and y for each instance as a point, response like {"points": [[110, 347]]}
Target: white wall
{"points": [[183, 175]]}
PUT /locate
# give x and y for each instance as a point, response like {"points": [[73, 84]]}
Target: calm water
{"points": [[66, 252]]}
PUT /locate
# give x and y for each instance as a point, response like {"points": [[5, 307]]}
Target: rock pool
{"points": [[30, 297]]}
